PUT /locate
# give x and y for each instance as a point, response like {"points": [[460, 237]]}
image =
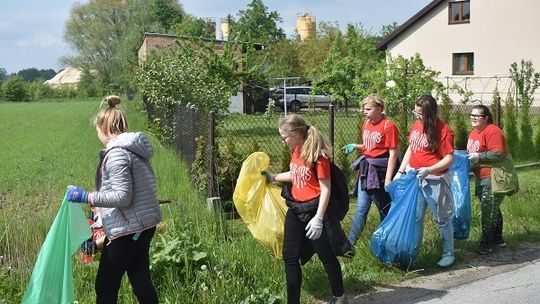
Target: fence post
{"points": [[331, 125], [210, 154], [498, 111]]}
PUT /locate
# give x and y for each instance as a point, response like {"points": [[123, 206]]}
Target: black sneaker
{"points": [[483, 249], [338, 300], [501, 243]]}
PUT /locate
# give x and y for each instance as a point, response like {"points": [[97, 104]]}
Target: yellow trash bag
{"points": [[260, 204]]}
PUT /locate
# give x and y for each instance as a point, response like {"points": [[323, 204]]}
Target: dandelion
{"points": [[204, 267], [204, 287]]}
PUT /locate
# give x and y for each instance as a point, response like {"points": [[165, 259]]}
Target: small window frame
{"points": [[459, 5], [468, 65]]}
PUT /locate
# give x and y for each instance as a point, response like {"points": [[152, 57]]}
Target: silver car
{"points": [[300, 97]]}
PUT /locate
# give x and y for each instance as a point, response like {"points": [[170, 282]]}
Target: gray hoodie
{"points": [[127, 190]]}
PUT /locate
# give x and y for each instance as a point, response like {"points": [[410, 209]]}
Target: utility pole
{"points": [[285, 90]]}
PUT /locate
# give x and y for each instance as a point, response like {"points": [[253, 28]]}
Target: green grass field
{"points": [[49, 145]]}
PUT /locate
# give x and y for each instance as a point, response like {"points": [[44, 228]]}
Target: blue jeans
{"points": [[436, 194], [363, 203]]}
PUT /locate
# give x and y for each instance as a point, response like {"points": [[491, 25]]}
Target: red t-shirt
{"points": [[379, 138], [305, 185], [421, 156], [490, 139]]}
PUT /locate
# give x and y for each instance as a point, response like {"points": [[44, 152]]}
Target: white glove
{"points": [[473, 157], [423, 173], [397, 176], [97, 221], [314, 228]]}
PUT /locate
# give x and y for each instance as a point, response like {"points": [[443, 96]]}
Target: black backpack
{"points": [[339, 193]]}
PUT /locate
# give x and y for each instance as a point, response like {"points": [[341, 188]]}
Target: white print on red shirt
{"points": [[473, 146], [418, 141], [371, 139], [300, 175]]}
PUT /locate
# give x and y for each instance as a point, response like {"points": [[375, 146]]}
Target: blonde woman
{"points": [[377, 166], [126, 196], [307, 223]]}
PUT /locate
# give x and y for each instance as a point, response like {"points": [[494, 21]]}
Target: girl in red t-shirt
{"points": [[307, 223], [430, 152], [380, 151], [486, 145]]}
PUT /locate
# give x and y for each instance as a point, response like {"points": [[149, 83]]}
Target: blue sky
{"points": [[31, 31]]}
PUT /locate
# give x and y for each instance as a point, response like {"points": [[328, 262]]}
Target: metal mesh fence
{"points": [[238, 135]]}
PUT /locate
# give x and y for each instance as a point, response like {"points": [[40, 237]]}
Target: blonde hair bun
{"points": [[112, 100]]}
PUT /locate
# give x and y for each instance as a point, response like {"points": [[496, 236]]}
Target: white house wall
{"points": [[499, 33]]}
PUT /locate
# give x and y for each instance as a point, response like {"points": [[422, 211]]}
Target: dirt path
{"points": [[468, 268]]}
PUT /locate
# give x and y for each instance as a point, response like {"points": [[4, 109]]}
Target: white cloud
{"points": [[40, 40], [4, 26]]}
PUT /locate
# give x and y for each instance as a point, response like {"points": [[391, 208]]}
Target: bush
{"points": [[15, 89], [510, 126]]}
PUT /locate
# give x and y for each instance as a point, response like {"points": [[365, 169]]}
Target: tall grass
{"points": [[47, 146]]}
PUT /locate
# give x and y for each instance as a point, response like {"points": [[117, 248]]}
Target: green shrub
{"points": [[510, 126], [15, 89]]}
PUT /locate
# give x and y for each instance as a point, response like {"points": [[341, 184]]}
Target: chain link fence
{"points": [[231, 138]]}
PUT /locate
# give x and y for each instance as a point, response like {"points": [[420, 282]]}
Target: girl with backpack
{"points": [[376, 166], [308, 224], [430, 152]]}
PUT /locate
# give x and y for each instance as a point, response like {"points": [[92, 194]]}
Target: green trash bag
{"points": [[52, 277]]}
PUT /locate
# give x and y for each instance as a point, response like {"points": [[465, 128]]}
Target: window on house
{"points": [[463, 63], [459, 12]]}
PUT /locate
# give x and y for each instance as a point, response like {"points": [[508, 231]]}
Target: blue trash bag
{"points": [[394, 240], [461, 194]]}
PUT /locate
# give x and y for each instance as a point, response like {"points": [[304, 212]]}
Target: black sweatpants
{"points": [[294, 239], [126, 255]]}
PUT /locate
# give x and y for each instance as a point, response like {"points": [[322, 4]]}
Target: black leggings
{"points": [[294, 239], [126, 255]]}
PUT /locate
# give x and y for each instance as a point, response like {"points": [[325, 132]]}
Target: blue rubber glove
{"points": [[423, 173], [314, 228], [76, 194], [269, 176], [349, 148]]}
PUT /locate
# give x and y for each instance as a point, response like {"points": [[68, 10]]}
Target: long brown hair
{"points": [[429, 120]]}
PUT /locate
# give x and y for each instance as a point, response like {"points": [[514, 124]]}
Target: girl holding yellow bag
{"points": [[307, 223]]}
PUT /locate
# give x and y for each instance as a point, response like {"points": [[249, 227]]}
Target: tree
{"points": [[313, 52], [526, 81], [387, 30], [15, 89], [192, 26], [256, 25], [510, 125], [400, 81], [194, 75], [350, 58], [3, 74], [106, 34], [29, 75], [282, 60]]}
